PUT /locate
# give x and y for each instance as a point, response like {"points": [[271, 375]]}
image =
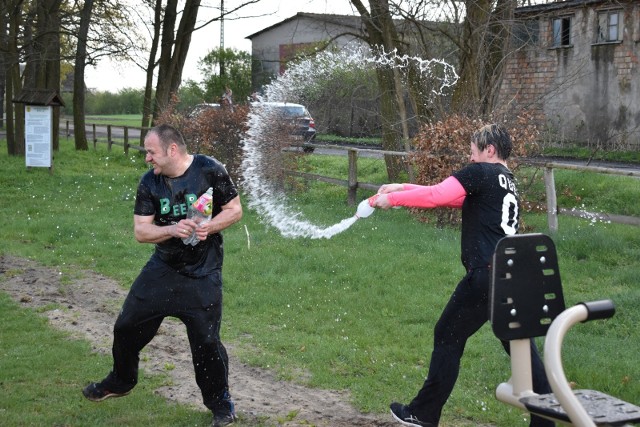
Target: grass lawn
{"points": [[353, 312], [133, 120]]}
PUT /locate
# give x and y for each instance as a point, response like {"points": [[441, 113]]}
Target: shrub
{"points": [[443, 147], [215, 132], [219, 133]]}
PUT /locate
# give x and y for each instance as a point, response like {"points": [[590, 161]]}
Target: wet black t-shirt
{"points": [[490, 210], [168, 199]]}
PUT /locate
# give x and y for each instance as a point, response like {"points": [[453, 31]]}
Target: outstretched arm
{"points": [[449, 193]]}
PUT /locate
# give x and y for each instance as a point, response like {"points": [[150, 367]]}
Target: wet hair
{"points": [[496, 135], [168, 135]]}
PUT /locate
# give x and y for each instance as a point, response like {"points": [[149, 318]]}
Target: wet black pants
{"points": [[465, 313], [158, 292]]}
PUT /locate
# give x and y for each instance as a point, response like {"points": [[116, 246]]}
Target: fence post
{"points": [[109, 141], [126, 140], [352, 180], [95, 136], [552, 203]]}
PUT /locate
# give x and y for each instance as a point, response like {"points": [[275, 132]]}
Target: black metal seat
{"points": [[526, 301]]}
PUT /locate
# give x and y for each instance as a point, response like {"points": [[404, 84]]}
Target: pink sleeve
{"points": [[449, 193]]}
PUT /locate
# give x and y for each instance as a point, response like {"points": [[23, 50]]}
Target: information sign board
{"points": [[38, 135]]}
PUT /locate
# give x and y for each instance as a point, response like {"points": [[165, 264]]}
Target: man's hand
{"points": [[184, 228]]}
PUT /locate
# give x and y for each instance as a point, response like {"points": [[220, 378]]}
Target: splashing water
{"points": [[261, 153]]}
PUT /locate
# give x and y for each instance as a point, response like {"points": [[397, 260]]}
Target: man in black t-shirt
{"points": [[485, 191], [179, 280]]}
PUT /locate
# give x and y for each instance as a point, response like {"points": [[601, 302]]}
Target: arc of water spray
{"points": [[271, 203]]}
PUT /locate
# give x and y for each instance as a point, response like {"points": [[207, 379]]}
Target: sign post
{"points": [[38, 136], [40, 131]]}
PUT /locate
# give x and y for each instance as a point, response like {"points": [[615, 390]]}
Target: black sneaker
{"points": [[403, 415], [96, 392], [224, 412]]}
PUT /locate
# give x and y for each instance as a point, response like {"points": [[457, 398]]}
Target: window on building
{"points": [[608, 27], [525, 33], [562, 31]]}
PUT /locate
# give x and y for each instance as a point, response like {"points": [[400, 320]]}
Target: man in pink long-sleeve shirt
{"points": [[485, 190]]}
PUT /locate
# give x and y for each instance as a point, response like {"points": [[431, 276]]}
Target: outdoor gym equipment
{"points": [[526, 302]]}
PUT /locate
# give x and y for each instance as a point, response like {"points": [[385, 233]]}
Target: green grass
{"points": [[133, 120], [592, 192], [43, 372], [376, 142], [354, 312]]}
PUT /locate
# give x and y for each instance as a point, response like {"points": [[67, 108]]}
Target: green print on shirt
{"points": [[179, 209]]}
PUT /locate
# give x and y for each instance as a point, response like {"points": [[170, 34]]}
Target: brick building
{"points": [[576, 67], [274, 46]]}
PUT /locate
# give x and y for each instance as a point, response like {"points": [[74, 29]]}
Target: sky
{"points": [[112, 77]]}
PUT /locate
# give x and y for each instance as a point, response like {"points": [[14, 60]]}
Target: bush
{"points": [[216, 133], [219, 133], [443, 148]]}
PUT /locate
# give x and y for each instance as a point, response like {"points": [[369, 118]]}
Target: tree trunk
{"points": [[79, 130], [183, 41], [485, 42], [173, 52], [46, 60], [147, 108], [166, 47], [4, 53], [15, 116], [466, 96], [391, 137], [500, 30], [382, 34]]}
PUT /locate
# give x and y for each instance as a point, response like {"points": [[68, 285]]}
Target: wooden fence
{"points": [[353, 184], [109, 138], [552, 203], [553, 210]]}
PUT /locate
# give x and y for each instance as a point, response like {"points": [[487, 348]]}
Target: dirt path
{"points": [[87, 305]]}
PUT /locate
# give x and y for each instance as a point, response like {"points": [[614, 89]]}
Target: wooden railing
{"points": [[109, 137], [552, 204], [351, 182], [553, 210]]}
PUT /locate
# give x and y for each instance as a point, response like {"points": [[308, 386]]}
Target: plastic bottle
{"points": [[364, 209], [200, 212]]}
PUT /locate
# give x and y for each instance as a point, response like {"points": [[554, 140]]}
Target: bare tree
{"points": [[46, 56], [4, 49], [481, 32], [483, 45], [174, 45], [147, 108], [78, 81], [15, 129], [106, 28], [381, 34]]}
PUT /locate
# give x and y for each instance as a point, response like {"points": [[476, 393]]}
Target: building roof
{"points": [[342, 20], [567, 4], [45, 97]]}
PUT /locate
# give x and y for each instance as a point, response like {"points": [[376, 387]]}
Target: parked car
{"points": [[198, 109], [294, 116]]}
